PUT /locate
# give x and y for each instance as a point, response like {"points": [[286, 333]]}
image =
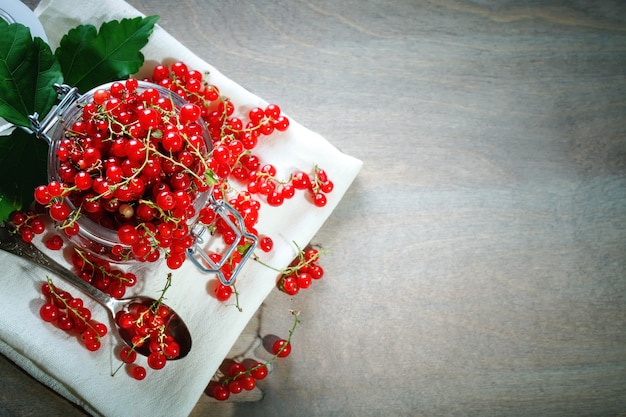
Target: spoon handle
{"points": [[11, 243]]}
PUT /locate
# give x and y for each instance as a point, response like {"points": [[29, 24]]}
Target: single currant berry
{"points": [[37, 225], [223, 292], [27, 235], [49, 312], [171, 350], [234, 387], [266, 243], [272, 111], [316, 271], [54, 242], [100, 328], [311, 254], [18, 218], [289, 285], [258, 371], [148, 118], [220, 392], [160, 72], [93, 345], [235, 369], [304, 280], [301, 180], [42, 196], [281, 123], [189, 113], [247, 382], [281, 348], [127, 234], [256, 115], [327, 186], [319, 200], [138, 372], [55, 188], [59, 211]]}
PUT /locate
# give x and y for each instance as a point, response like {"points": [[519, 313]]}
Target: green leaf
{"points": [[23, 162], [90, 58], [28, 71]]}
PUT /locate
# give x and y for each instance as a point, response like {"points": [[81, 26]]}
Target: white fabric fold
{"points": [[83, 377]]}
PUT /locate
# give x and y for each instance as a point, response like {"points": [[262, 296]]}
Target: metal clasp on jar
{"points": [[196, 255]]}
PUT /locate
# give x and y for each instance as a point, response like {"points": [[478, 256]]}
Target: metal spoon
{"points": [[175, 327]]}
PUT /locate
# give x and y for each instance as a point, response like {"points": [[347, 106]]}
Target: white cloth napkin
{"points": [[83, 377]]}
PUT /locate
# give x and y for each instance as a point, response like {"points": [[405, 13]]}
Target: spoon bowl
{"points": [[174, 325]]}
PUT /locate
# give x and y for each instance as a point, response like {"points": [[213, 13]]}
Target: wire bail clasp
{"points": [[67, 96]]}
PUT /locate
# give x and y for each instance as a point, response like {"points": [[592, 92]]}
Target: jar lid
{"points": [[14, 11]]}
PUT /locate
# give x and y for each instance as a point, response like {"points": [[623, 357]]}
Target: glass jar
{"points": [[110, 118]]}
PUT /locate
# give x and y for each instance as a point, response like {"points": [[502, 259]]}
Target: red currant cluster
{"points": [[147, 326], [301, 273], [101, 274], [27, 224], [231, 135], [69, 314], [239, 376], [262, 180]]}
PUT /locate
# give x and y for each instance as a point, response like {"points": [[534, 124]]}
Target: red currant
{"points": [[281, 348], [266, 243], [138, 372], [220, 393], [49, 312], [54, 242], [259, 371], [223, 292]]}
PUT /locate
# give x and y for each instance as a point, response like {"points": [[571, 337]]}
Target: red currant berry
{"points": [[281, 348], [223, 292], [59, 211], [272, 111], [160, 72], [93, 344], [220, 393], [281, 123], [316, 271], [49, 312], [148, 118], [41, 195], [259, 371], [100, 96], [128, 355], [266, 244], [127, 234], [166, 200], [156, 360], [189, 113], [54, 242], [247, 382], [304, 280], [138, 372], [289, 285], [235, 369], [319, 199], [234, 387]]}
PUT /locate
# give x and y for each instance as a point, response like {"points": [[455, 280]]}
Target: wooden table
{"points": [[478, 262]]}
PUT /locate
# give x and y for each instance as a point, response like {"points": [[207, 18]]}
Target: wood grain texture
{"points": [[478, 262]]}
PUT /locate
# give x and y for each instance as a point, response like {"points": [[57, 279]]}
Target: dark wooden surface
{"points": [[478, 262]]}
